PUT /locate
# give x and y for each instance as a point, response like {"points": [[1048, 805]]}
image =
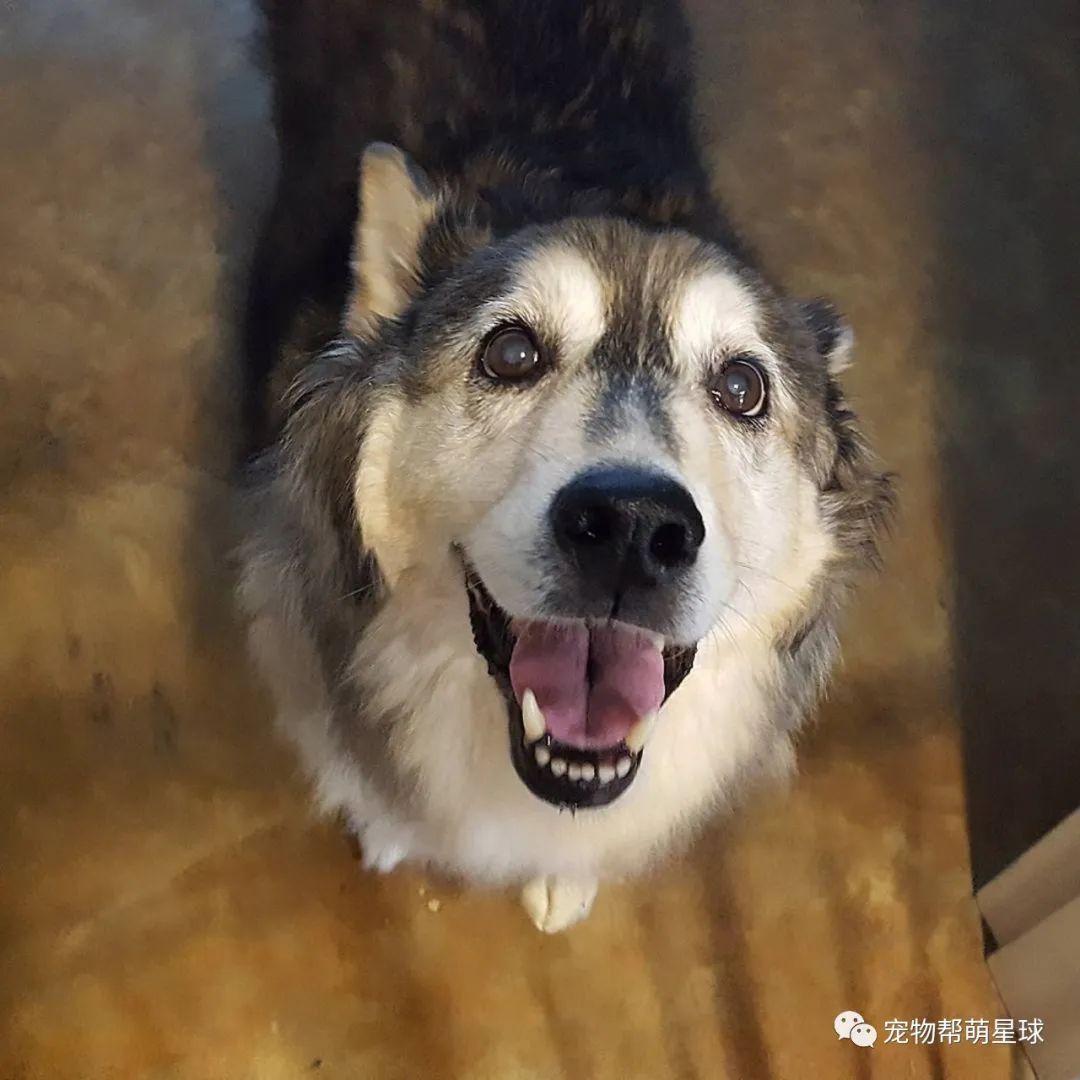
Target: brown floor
{"points": [[167, 907]]}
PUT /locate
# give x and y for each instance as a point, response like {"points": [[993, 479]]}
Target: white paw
{"points": [[554, 903], [384, 846]]}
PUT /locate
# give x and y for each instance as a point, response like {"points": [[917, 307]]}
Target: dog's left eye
{"points": [[510, 354], [740, 388]]}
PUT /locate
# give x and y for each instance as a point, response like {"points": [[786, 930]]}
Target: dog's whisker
{"points": [[722, 630], [545, 452], [364, 590], [744, 541], [767, 576], [728, 607]]}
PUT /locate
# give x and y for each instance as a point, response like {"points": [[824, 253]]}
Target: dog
{"points": [[557, 498]]}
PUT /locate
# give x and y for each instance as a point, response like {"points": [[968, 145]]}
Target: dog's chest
{"points": [[474, 815]]}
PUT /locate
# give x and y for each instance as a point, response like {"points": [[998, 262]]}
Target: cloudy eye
{"points": [[740, 388], [510, 355]]}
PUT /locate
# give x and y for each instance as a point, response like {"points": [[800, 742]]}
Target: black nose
{"points": [[627, 527]]}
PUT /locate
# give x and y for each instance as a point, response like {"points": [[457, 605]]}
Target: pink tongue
{"points": [[627, 679]]}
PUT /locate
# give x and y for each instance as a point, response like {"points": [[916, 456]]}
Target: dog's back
{"points": [[546, 107]]}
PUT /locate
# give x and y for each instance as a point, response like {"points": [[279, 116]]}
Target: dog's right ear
{"points": [[833, 335], [397, 203]]}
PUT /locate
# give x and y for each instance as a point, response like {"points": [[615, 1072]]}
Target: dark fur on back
{"points": [[531, 109]]}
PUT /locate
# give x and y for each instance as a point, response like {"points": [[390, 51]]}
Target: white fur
{"points": [[475, 817], [556, 287], [714, 313]]}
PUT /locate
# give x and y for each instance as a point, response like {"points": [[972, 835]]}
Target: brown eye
{"points": [[740, 388], [510, 354]]}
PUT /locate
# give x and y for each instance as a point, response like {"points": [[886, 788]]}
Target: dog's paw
{"points": [[554, 903], [383, 846]]}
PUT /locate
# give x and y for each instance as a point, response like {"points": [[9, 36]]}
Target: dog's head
{"points": [[619, 439]]}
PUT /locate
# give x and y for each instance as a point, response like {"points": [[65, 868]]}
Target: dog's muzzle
{"points": [[582, 696]]}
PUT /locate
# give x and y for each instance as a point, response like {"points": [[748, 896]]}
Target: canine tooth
{"points": [[622, 766], [587, 771], [606, 773], [639, 733], [574, 772], [543, 756], [558, 766], [656, 639], [532, 719]]}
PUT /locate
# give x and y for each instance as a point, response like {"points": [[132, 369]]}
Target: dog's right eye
{"points": [[741, 388], [510, 355]]}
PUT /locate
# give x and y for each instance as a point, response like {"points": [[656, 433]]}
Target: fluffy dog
{"points": [[560, 496]]}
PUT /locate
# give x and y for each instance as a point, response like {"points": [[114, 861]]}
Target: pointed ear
{"points": [[397, 203], [832, 332]]}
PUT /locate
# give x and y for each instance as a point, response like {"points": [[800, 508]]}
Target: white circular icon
{"points": [[864, 1034], [845, 1022]]}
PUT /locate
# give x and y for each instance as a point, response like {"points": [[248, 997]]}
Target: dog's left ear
{"points": [[833, 334], [397, 203]]}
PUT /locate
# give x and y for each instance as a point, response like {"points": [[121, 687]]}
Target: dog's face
{"points": [[618, 436]]}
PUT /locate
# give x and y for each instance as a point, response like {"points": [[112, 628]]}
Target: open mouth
{"points": [[582, 696]]}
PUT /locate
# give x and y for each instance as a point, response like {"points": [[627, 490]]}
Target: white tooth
{"points": [[574, 772], [606, 773], [587, 771], [622, 766], [639, 733], [558, 766], [656, 639], [543, 756], [532, 719]]}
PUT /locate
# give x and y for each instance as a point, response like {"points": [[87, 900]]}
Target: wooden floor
{"points": [[168, 909]]}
